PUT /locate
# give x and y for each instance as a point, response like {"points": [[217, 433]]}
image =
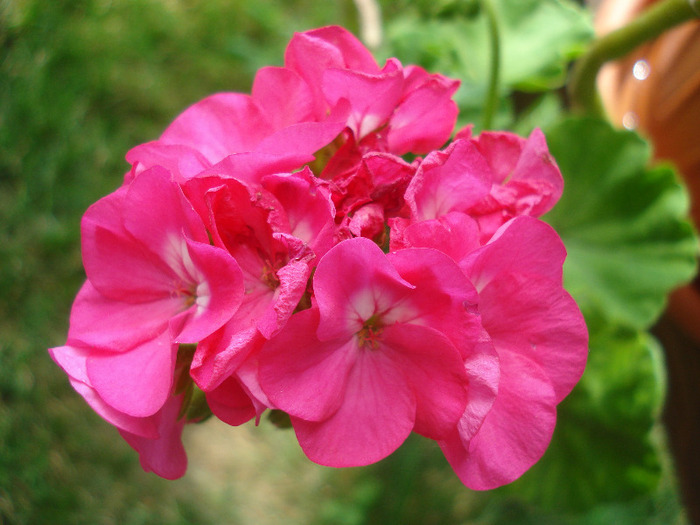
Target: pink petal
{"points": [[376, 415], [252, 166], [218, 294], [219, 125], [219, 355], [116, 264], [523, 245], [434, 369], [353, 282], [308, 206], [73, 361], [99, 322], [182, 161], [138, 381], [304, 138], [451, 180], [230, 403], [311, 53], [303, 376], [164, 456], [443, 298], [502, 150], [158, 214], [536, 318], [373, 98], [426, 116], [455, 234], [515, 433], [283, 96]]}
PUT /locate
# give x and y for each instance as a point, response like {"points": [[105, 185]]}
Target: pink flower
{"points": [[255, 228], [525, 178], [375, 359], [536, 328], [153, 282], [493, 178], [411, 110]]}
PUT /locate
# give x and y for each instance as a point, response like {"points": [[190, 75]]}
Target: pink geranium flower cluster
{"points": [[275, 251]]}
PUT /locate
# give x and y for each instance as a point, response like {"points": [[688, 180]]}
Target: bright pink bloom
{"points": [[411, 110], [492, 178], [526, 178], [153, 281], [536, 329], [251, 224], [375, 360]]}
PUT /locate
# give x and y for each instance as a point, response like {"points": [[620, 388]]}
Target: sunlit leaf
{"points": [[624, 224]]}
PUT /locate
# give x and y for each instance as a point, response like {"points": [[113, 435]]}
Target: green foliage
{"points": [[624, 224], [539, 37]]}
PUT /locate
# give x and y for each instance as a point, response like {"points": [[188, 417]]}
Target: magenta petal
{"points": [[164, 456], [536, 318], [353, 282], [293, 278], [73, 361], [434, 369], [230, 403], [455, 234], [219, 355], [251, 167], [183, 161], [283, 96], [483, 376], [219, 125], [451, 180], [158, 214], [117, 264], [99, 322], [304, 138], [426, 116], [376, 416], [138, 381], [308, 206], [443, 297], [523, 245], [217, 297], [515, 433], [373, 98], [311, 53], [536, 163], [301, 375]]}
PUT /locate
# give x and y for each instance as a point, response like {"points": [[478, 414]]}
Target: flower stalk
{"points": [[491, 101]]}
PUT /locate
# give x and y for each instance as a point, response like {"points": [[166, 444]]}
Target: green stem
{"points": [[491, 102], [651, 23]]}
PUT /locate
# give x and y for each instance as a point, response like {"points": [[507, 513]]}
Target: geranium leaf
{"points": [[538, 38], [624, 224]]}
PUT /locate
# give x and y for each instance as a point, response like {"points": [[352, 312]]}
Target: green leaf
{"points": [[604, 449], [539, 37], [624, 224]]}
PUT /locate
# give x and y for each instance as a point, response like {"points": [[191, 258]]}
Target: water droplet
{"points": [[630, 120], [641, 69]]}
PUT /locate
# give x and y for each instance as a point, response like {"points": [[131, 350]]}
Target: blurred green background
{"points": [[81, 82]]}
